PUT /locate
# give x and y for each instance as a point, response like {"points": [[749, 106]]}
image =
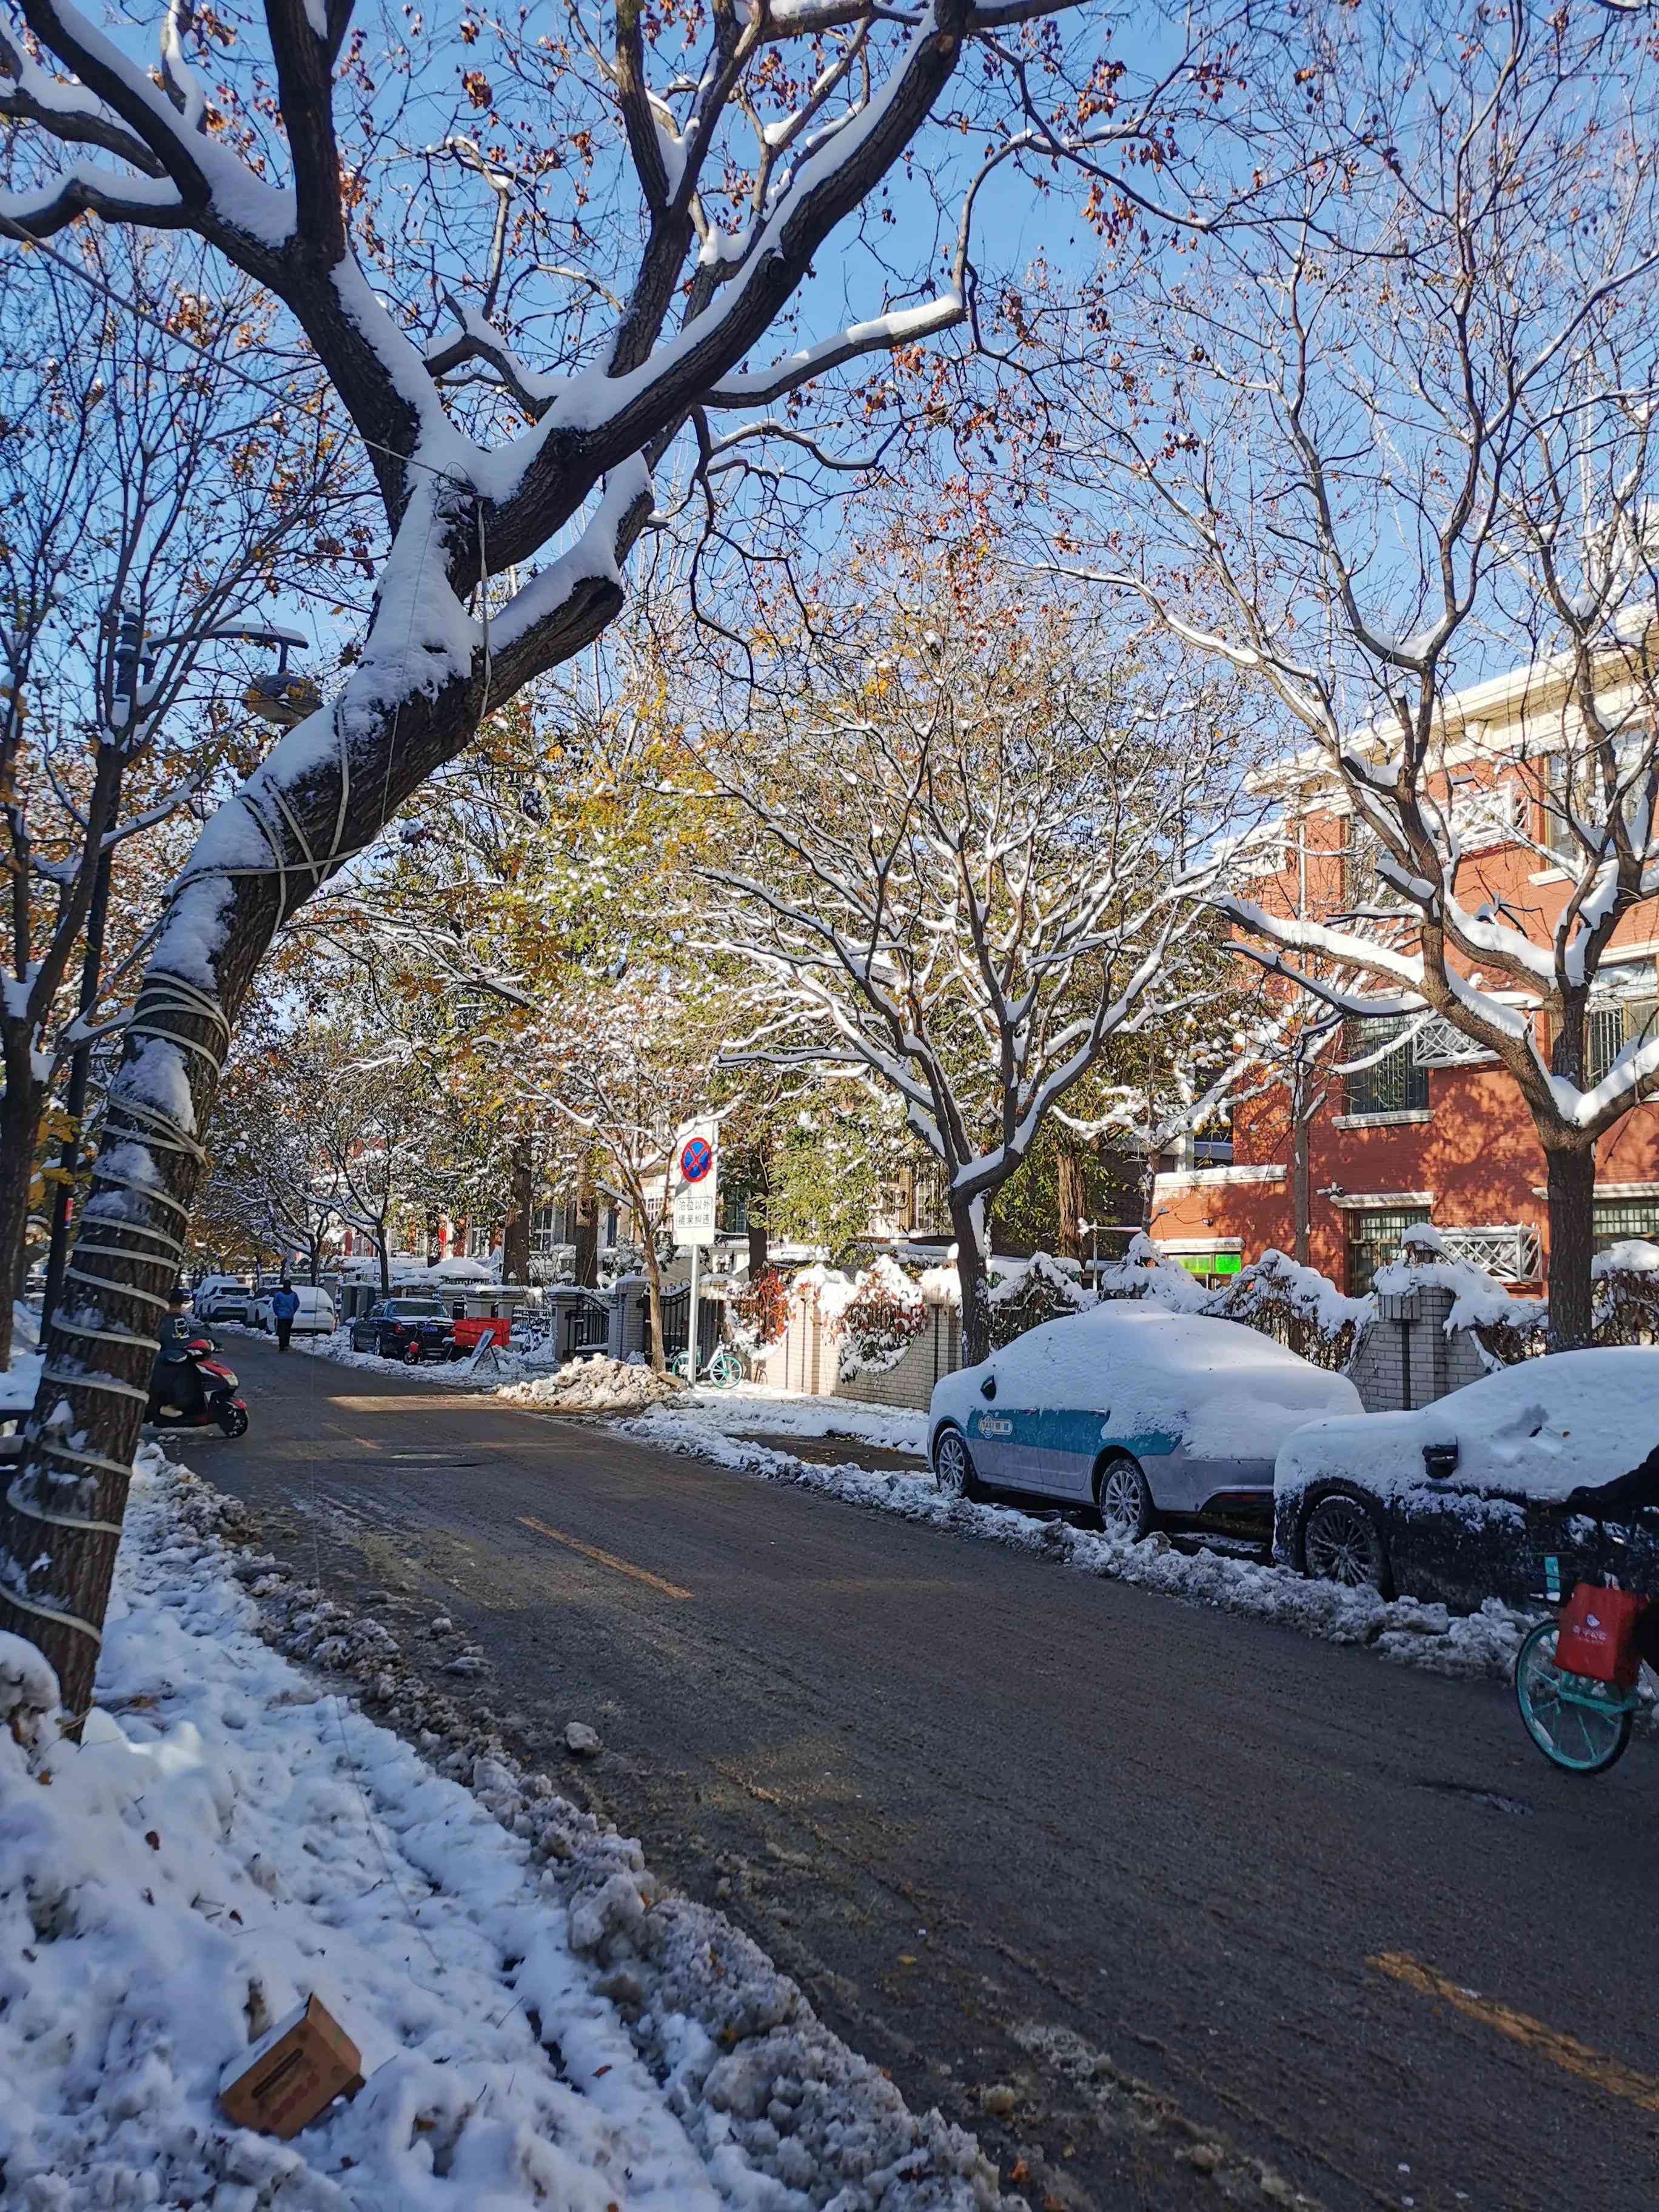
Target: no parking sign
{"points": [[695, 1170]]}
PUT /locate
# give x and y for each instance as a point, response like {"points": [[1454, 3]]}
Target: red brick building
{"points": [[1435, 1131]]}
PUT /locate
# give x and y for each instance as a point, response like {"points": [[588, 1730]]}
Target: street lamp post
{"points": [[279, 698]]}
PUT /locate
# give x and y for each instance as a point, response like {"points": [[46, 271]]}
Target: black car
{"points": [[410, 1329], [1466, 1498]]}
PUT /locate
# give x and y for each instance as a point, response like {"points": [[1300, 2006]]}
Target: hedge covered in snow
{"points": [[885, 1315]]}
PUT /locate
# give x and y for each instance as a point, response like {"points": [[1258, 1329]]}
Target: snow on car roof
{"points": [[1204, 1381], [1537, 1430]]}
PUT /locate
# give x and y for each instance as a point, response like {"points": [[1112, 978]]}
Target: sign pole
{"points": [[692, 1324]]}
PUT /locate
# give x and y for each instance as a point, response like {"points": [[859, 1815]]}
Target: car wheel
{"points": [[1124, 1499], [953, 1465], [412, 1353], [1342, 1542]]}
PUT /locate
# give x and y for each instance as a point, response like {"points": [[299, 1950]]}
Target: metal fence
{"points": [[584, 1327], [676, 1322]]}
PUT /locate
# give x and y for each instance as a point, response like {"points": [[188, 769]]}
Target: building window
{"points": [[930, 1215], [550, 1226], [1392, 1084], [1374, 1241], [1610, 1025], [1573, 784], [1619, 1220]]}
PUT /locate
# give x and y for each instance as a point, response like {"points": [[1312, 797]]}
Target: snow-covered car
{"points": [[1465, 1499], [314, 1315], [1139, 1411]]}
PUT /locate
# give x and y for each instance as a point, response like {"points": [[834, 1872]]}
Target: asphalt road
{"points": [[1211, 1900]]}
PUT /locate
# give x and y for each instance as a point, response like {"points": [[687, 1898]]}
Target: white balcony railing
{"points": [[1438, 1044], [1511, 1253]]}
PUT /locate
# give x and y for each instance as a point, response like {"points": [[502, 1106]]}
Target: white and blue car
{"points": [[1134, 1410]]}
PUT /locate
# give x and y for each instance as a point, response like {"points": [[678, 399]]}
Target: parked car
{"points": [[410, 1329], [315, 1316], [1140, 1413], [224, 1297], [1464, 1499]]}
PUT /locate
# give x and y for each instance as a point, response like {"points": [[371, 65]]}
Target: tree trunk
{"points": [[653, 1285], [968, 1219], [1571, 1175], [586, 1264], [1071, 1196], [20, 1130], [520, 1196], [382, 1249]]}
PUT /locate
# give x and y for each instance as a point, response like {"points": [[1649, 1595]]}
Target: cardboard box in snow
{"points": [[294, 2070]]}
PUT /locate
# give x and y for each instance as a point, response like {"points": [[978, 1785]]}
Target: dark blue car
{"points": [[410, 1329]]}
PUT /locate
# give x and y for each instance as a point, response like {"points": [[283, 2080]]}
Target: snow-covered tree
{"points": [[138, 479], [967, 871], [1395, 440]]}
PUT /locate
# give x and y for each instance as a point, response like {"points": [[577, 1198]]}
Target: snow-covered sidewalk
{"points": [[540, 2024]]}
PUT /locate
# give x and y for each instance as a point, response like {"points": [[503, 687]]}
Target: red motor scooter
{"points": [[217, 1406]]}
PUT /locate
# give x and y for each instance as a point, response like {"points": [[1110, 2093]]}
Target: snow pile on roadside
{"points": [[1404, 1629], [595, 1386], [759, 1408], [540, 2023]]}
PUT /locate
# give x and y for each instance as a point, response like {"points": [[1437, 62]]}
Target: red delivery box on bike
{"points": [[1597, 1634]]}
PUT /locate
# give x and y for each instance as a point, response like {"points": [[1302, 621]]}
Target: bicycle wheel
{"points": [[725, 1369], [1581, 1725]]}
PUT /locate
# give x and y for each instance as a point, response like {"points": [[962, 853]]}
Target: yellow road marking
{"points": [[1562, 2051], [605, 1559]]}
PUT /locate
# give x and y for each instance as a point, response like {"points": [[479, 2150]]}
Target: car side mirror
{"points": [[1439, 1461], [987, 1388]]}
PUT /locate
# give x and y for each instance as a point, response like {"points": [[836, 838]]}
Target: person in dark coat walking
{"points": [[284, 1305]]}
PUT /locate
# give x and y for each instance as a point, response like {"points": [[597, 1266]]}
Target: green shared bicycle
{"points": [[1575, 1673], [721, 1371]]}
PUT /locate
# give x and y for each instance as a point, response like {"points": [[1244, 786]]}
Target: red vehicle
{"points": [[204, 1391]]}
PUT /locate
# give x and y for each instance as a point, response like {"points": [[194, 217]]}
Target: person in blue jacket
{"points": [[284, 1305]]}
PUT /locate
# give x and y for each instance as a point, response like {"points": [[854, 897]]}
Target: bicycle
{"points": [[1575, 1674], [723, 1370]]}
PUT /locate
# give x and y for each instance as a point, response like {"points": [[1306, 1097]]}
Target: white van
{"points": [[315, 1316]]}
